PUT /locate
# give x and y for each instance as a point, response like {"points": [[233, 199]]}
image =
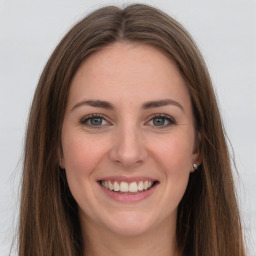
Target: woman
{"points": [[125, 150]]}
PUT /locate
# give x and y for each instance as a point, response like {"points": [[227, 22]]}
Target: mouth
{"points": [[128, 188]]}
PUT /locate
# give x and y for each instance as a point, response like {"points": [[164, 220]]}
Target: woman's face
{"points": [[128, 139]]}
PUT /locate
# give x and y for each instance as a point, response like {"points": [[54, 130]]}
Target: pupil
{"points": [[159, 121], [96, 121]]}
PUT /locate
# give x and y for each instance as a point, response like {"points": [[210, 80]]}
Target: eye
{"points": [[161, 121], [94, 120]]}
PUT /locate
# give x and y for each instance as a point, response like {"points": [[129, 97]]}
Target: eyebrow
{"points": [[94, 103], [161, 103], [146, 105]]}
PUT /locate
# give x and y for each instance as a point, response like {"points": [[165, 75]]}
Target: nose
{"points": [[128, 149]]}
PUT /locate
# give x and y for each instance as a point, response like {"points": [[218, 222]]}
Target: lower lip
{"points": [[127, 198]]}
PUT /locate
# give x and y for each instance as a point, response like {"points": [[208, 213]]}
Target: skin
{"points": [[128, 143]]}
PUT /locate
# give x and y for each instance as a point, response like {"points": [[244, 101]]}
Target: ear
{"points": [[61, 157], [197, 154]]}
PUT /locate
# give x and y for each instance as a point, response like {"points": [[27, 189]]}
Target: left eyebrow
{"points": [[161, 103]]}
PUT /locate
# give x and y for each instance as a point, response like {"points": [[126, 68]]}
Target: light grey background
{"points": [[226, 34]]}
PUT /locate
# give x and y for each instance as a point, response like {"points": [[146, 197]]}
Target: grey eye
{"points": [[95, 121], [161, 121]]}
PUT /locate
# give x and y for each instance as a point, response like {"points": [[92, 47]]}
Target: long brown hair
{"points": [[208, 220]]}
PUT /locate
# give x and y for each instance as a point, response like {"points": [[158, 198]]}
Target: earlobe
{"points": [[61, 163], [197, 160], [61, 158]]}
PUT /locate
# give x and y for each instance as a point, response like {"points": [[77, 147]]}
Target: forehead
{"points": [[128, 71]]}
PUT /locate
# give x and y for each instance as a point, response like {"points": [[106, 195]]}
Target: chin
{"points": [[129, 223]]}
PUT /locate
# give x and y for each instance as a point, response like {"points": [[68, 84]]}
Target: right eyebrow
{"points": [[93, 103]]}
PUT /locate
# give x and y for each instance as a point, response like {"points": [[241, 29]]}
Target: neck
{"points": [[159, 241]]}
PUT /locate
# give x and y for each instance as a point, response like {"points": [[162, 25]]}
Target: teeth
{"points": [[145, 184], [133, 187], [105, 184], [110, 186], [125, 187], [140, 186], [116, 186]]}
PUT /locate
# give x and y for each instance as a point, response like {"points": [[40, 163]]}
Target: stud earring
{"points": [[195, 166]]}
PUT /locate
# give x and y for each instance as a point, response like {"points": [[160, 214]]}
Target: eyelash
{"points": [[171, 121], [88, 118]]}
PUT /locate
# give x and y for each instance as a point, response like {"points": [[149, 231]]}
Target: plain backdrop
{"points": [[224, 30]]}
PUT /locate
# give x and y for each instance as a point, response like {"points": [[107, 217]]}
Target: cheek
{"points": [[174, 157], [175, 154], [81, 158], [81, 154]]}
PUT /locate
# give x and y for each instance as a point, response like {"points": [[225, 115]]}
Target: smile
{"points": [[127, 187]]}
